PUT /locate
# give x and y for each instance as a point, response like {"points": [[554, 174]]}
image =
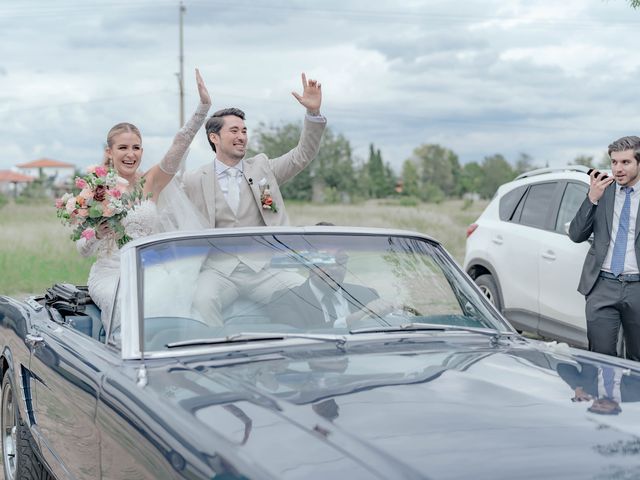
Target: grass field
{"points": [[35, 249]]}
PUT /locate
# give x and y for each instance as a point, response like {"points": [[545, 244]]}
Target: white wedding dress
{"points": [[176, 212], [143, 220]]}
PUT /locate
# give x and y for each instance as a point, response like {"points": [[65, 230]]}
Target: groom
{"points": [[234, 191]]}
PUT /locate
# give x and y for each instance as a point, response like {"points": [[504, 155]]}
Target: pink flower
{"points": [[107, 211], [101, 171], [91, 168], [115, 193], [59, 203], [88, 233], [71, 204], [80, 183], [86, 193], [83, 212]]}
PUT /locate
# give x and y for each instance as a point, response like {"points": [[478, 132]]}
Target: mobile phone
{"points": [[592, 169]]}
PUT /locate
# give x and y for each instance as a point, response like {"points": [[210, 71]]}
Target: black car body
{"points": [[440, 387]]}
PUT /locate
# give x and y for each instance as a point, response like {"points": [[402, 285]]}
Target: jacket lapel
{"points": [[312, 306], [637, 219], [609, 198], [253, 176], [209, 187]]}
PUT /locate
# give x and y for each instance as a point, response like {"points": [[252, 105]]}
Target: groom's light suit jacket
{"points": [[204, 191]]}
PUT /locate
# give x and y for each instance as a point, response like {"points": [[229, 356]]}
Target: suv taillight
{"points": [[471, 228]]}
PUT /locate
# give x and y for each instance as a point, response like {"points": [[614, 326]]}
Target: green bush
{"points": [[432, 193], [409, 201]]}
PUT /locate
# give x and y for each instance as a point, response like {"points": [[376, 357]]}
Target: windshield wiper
{"points": [[255, 337], [417, 327]]}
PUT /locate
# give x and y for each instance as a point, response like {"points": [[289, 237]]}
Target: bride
{"points": [[124, 154]]}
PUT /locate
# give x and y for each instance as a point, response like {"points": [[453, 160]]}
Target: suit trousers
{"points": [[612, 303], [216, 292]]}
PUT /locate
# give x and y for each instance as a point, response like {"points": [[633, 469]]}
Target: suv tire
{"points": [[488, 286]]}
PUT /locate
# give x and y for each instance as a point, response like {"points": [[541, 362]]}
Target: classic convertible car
{"points": [[311, 352]]}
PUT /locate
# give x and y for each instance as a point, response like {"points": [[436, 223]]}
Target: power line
{"points": [[386, 16]]}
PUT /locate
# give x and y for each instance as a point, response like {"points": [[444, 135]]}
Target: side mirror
{"points": [[566, 228]]}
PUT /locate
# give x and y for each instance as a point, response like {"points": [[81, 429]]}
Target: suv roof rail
{"points": [[566, 168]]}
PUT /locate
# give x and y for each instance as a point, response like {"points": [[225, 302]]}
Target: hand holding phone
{"points": [[597, 174], [597, 186]]}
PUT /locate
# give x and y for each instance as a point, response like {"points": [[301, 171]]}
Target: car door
{"points": [[66, 370], [561, 306], [521, 254]]}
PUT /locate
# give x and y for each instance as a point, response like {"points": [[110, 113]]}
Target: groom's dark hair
{"points": [[216, 121]]}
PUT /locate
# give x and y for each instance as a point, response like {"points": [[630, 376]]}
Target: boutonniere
{"points": [[265, 196]]}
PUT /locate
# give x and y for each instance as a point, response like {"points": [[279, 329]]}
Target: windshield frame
{"points": [[132, 288]]}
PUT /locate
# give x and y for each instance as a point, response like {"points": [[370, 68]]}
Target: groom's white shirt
{"points": [[223, 178]]}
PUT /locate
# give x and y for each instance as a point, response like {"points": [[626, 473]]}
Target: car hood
{"points": [[410, 409]]}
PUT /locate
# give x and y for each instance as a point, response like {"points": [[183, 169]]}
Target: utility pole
{"points": [[183, 9]]}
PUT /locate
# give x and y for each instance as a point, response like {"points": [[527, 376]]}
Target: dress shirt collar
{"points": [[221, 168]]}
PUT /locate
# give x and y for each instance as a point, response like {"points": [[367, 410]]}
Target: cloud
{"points": [[547, 78]]}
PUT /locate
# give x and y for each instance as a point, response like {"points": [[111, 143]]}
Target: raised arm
{"points": [[311, 97], [161, 174]]}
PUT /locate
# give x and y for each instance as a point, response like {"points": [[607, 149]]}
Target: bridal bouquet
{"points": [[102, 197]]}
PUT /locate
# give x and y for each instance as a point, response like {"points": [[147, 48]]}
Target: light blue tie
{"points": [[620, 245], [608, 377]]}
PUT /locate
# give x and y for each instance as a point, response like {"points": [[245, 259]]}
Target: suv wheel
{"points": [[488, 287]]}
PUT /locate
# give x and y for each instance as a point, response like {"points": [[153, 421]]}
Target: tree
{"points": [[438, 171], [496, 171], [524, 163], [585, 160], [410, 180], [605, 161], [471, 178], [380, 180], [332, 169]]}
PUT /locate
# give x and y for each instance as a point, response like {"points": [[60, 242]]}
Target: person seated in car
{"points": [[324, 300]]}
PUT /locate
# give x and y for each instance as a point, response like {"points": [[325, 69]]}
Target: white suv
{"points": [[519, 253]]}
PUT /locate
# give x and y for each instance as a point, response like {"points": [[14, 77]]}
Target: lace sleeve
{"points": [[87, 248], [170, 164]]}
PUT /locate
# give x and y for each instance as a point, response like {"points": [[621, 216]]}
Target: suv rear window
{"points": [[573, 197], [509, 202], [535, 212]]}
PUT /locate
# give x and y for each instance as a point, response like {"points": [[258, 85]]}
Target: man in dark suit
{"points": [[611, 274], [324, 300], [607, 386]]}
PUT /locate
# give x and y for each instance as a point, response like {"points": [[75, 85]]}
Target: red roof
{"points": [[46, 163], [9, 176]]}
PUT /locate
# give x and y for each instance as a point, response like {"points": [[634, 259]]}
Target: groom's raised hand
{"points": [[311, 97]]}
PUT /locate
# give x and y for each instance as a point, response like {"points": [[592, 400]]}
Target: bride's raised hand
{"points": [[103, 230], [202, 89]]}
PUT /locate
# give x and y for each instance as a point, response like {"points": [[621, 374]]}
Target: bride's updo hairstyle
{"points": [[117, 129]]}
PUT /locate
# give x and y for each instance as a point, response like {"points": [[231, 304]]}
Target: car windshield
{"points": [[200, 290]]}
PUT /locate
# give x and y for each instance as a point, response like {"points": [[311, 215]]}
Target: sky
{"points": [[552, 79]]}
